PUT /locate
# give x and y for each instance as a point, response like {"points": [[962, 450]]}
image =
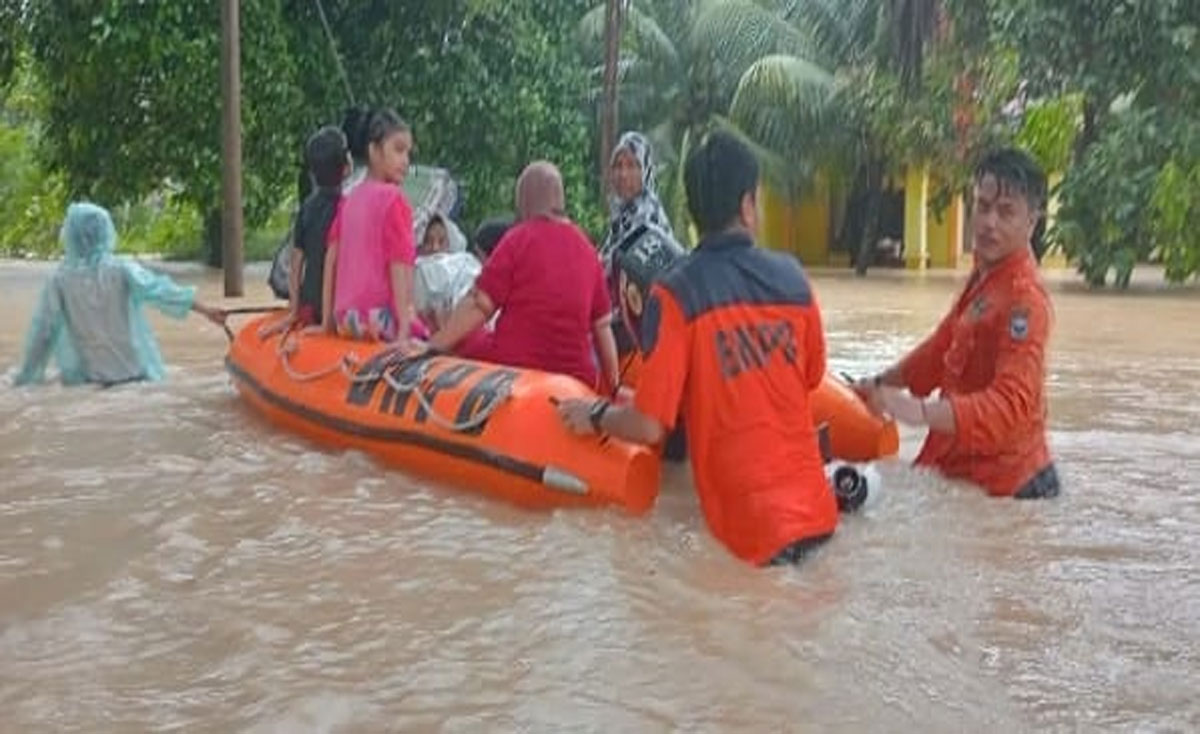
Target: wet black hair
{"points": [[325, 154], [435, 218], [354, 125], [718, 174], [1017, 173], [364, 125], [384, 123], [489, 234]]}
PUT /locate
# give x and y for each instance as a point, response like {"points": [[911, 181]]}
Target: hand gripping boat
{"points": [[474, 425]]}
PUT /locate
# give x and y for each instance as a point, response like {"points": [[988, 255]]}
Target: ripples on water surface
{"points": [[169, 562]]}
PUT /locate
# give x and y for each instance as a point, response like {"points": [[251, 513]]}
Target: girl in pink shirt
{"points": [[369, 263]]}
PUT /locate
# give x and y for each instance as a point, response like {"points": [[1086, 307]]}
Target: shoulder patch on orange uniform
{"points": [[1018, 323]]}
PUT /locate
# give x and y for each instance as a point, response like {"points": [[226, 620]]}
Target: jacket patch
{"points": [[1018, 325]]}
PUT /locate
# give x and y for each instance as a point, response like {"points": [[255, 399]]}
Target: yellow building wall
{"points": [[800, 227], [775, 220], [812, 227], [916, 218], [804, 227], [945, 235], [930, 239]]}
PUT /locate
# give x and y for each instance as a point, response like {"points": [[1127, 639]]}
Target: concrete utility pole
{"points": [[608, 113], [231, 149]]}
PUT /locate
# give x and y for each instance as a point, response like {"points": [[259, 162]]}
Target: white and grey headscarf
{"points": [[643, 209]]}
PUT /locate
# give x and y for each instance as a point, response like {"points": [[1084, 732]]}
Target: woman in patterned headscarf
{"points": [[635, 202]]}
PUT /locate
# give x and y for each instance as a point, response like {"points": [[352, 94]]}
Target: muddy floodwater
{"points": [[170, 562]]}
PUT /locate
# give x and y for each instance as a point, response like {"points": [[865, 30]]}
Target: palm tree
{"points": [[785, 74], [815, 112], [680, 66]]}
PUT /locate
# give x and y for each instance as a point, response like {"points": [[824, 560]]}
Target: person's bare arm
{"points": [[606, 348], [471, 313], [331, 256], [216, 315], [402, 299], [295, 274], [619, 421], [937, 414]]}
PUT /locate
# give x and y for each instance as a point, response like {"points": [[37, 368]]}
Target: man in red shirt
{"points": [[732, 336], [547, 282], [988, 356]]}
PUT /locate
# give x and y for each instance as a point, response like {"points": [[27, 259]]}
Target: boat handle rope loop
{"points": [[481, 416], [288, 347], [350, 362]]}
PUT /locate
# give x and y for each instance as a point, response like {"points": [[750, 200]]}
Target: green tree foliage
{"points": [[1103, 50], [1130, 198], [884, 85], [851, 88], [681, 65], [1135, 69], [1175, 211], [10, 16], [488, 86], [31, 202], [1049, 130], [133, 99], [133, 96], [120, 100]]}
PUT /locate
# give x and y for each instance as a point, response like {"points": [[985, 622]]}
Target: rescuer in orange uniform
{"points": [[732, 335], [988, 355]]}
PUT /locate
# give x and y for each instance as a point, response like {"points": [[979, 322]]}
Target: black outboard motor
{"points": [[850, 488]]}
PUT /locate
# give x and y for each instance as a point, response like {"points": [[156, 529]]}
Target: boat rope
{"points": [[386, 372], [481, 416], [288, 347]]}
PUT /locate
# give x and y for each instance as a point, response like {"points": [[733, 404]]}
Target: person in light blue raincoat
{"points": [[89, 317]]}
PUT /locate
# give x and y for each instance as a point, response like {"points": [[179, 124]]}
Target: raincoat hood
{"points": [[88, 235]]}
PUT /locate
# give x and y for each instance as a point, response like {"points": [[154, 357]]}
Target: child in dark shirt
{"points": [[328, 163]]}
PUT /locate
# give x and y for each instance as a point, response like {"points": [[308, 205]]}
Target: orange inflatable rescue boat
{"points": [[478, 426]]}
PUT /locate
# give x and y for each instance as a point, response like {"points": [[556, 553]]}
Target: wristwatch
{"points": [[596, 414]]}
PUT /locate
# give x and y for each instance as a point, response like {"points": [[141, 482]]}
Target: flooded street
{"points": [[170, 562]]}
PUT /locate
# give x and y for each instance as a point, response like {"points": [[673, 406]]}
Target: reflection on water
{"points": [[168, 561]]}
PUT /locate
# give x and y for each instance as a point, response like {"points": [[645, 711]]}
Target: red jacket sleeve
{"points": [[922, 368], [987, 420]]}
